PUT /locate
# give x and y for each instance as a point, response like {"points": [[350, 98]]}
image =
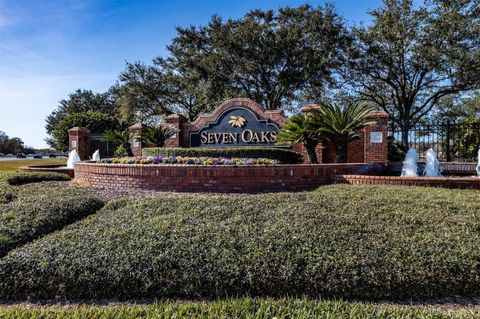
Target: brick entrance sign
{"points": [[242, 122]]}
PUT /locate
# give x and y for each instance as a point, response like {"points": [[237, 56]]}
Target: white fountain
{"points": [[72, 159], [410, 164], [478, 166], [96, 155], [432, 165]]}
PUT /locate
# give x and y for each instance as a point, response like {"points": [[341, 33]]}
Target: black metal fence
{"points": [[451, 141], [107, 149]]}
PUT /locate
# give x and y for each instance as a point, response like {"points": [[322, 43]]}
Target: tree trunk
{"points": [[341, 148], [311, 152], [405, 131]]}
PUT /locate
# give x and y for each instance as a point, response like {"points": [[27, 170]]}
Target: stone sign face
{"points": [[237, 126]]}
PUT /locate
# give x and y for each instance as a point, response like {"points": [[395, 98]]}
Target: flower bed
{"points": [[189, 160]]}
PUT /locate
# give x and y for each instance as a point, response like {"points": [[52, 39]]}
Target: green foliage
{"points": [[10, 145], [6, 195], [123, 138], [284, 156], [272, 57], [395, 150], [341, 124], [302, 128], [87, 103], [35, 177], [465, 135], [412, 56], [252, 308], [120, 151], [157, 135], [95, 121], [26, 214], [341, 241]]}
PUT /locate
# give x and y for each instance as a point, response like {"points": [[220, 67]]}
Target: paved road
{"points": [[23, 159]]}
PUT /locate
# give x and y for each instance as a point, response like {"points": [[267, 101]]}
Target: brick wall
{"points": [[444, 182], [191, 178]]}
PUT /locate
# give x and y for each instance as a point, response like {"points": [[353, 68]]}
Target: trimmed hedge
{"points": [[253, 308], [26, 178], [341, 241], [6, 195], [282, 155], [32, 213]]}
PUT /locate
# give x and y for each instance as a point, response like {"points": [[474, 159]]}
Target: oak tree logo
{"points": [[237, 121]]}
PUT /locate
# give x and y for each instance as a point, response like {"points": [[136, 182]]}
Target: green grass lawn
{"points": [[236, 308], [8, 166]]}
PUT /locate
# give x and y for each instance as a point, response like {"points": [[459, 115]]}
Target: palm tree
{"points": [[342, 124], [121, 137], [157, 135], [302, 128]]}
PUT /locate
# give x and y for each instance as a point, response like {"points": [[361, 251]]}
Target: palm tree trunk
{"points": [[311, 152], [341, 148]]}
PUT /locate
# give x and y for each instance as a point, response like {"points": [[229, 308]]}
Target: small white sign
{"points": [[135, 142], [73, 144], [376, 137], [174, 135]]}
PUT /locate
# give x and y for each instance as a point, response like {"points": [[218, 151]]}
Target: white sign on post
{"points": [[376, 137]]}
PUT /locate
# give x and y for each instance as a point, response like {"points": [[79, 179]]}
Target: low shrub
{"points": [[341, 241], [253, 308], [188, 160], [30, 213], [395, 150], [6, 195], [25, 178], [282, 155]]}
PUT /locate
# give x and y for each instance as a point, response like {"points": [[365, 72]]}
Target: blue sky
{"points": [[51, 48]]}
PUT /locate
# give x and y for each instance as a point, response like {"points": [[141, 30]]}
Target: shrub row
{"points": [[253, 308], [282, 155], [341, 241], [6, 195], [25, 178], [31, 213]]}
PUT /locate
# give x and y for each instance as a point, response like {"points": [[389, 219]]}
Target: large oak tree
{"points": [[274, 58], [410, 57]]}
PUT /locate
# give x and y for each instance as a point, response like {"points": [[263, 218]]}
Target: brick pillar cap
{"points": [[137, 126], [378, 114], [310, 107], [79, 129], [175, 116]]}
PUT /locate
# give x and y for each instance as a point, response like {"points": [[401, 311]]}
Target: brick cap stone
{"points": [[310, 107], [79, 129], [378, 114], [137, 126], [175, 116]]}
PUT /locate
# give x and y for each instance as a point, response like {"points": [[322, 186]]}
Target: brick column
{"points": [[135, 144], [176, 121], [79, 139], [375, 138]]}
